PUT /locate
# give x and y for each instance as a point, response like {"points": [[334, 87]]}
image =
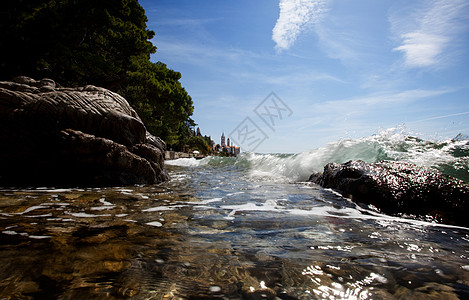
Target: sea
{"points": [[246, 227]]}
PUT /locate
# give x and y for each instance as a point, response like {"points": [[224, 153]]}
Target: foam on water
{"points": [[394, 144], [448, 156], [187, 162]]}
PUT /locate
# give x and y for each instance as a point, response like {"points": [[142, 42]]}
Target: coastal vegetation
{"points": [[199, 144], [101, 43]]}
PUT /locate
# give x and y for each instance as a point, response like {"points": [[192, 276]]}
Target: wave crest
{"points": [[449, 156]]}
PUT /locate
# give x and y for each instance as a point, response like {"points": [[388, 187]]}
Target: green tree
{"points": [[209, 141], [75, 42], [199, 143], [99, 42], [161, 101]]}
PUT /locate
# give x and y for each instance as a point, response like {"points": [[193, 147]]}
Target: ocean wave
{"points": [[448, 156], [185, 162]]}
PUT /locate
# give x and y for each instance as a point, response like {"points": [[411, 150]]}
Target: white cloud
{"points": [[363, 105], [294, 16], [203, 54], [442, 117], [427, 33], [291, 78]]}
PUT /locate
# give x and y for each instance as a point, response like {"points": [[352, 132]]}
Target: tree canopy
{"points": [[104, 43], [200, 144]]}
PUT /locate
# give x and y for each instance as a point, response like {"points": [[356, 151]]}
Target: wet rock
{"points": [[73, 136], [431, 290], [399, 188]]}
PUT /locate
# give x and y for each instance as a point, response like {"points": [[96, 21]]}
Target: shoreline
{"points": [[172, 155]]}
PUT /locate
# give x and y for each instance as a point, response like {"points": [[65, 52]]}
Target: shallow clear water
{"points": [[222, 228]]}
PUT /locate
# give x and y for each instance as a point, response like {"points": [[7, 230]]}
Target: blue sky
{"points": [[341, 68]]}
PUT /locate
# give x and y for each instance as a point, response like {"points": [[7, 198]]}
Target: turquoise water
{"points": [[249, 227]]}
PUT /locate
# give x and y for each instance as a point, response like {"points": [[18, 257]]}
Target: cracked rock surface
{"points": [[85, 136]]}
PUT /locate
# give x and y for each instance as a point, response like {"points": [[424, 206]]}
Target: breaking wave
{"points": [[448, 156]]}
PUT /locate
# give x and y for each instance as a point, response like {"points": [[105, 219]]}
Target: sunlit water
{"points": [[233, 228]]}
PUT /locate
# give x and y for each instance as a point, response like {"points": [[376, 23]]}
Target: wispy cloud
{"points": [[298, 78], [441, 117], [201, 54], [294, 16], [426, 34], [183, 22], [364, 104]]}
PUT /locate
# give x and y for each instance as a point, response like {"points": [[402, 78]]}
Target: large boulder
{"points": [[400, 188], [73, 137]]}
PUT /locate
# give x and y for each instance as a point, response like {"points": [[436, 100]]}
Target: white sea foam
{"points": [[10, 232], [329, 211], [31, 208], [101, 207], [106, 205], [49, 190], [269, 205], [186, 162], [232, 194], [40, 216], [389, 144], [161, 208], [207, 201], [155, 224], [39, 237], [86, 215], [104, 202]]}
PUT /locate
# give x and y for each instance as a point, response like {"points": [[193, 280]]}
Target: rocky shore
{"points": [[73, 136], [399, 188]]}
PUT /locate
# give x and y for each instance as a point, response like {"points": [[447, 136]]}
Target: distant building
{"points": [[198, 132], [222, 144], [231, 149]]}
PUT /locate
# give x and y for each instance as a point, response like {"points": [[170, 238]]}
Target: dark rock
{"points": [[400, 188], [73, 136]]}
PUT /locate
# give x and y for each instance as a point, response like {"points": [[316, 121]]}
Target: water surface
{"points": [[230, 228]]}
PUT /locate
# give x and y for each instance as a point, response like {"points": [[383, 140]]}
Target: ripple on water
{"points": [[202, 236]]}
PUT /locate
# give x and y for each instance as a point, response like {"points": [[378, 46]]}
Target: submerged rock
{"points": [[73, 136], [399, 188]]}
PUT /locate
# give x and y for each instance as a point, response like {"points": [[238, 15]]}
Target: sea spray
{"points": [[448, 156], [185, 162]]}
